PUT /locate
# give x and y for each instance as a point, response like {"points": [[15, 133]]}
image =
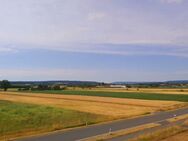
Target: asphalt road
{"points": [[85, 132], [163, 124]]}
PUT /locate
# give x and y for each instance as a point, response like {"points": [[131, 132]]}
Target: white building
{"points": [[118, 86]]}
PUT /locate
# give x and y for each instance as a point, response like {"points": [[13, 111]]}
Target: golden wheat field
{"points": [[113, 107]]}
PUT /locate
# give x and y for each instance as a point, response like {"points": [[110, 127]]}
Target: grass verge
{"points": [[160, 135], [121, 132]]}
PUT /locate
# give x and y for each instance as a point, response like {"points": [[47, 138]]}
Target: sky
{"points": [[94, 40]]}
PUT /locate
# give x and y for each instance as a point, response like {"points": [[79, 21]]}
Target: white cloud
{"points": [[96, 16], [8, 50], [107, 75], [52, 23], [60, 74], [47, 74], [130, 49], [172, 1]]}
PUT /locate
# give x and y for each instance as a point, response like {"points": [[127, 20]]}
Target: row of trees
{"points": [[5, 84]]}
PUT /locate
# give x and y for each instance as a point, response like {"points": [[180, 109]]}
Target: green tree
{"points": [[5, 84]]}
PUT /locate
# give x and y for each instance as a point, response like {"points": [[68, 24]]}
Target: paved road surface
{"points": [[80, 133], [163, 125]]}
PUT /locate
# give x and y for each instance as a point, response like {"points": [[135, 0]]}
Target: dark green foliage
{"points": [[5, 84]]}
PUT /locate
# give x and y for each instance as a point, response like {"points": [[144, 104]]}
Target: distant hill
{"points": [[132, 83], [177, 82], [64, 82], [94, 83], [162, 82]]}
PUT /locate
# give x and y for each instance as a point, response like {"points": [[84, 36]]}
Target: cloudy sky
{"points": [[100, 40]]}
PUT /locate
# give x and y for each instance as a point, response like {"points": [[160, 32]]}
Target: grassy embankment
{"points": [[18, 119], [174, 133], [132, 95], [168, 134]]}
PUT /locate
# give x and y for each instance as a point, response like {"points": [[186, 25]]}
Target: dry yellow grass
{"points": [[179, 137], [186, 122], [112, 107], [183, 136], [143, 90], [162, 135], [173, 133]]}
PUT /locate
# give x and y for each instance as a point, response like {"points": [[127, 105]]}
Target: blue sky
{"points": [[108, 40]]}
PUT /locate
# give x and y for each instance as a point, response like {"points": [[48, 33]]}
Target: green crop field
{"points": [[132, 95], [23, 119]]}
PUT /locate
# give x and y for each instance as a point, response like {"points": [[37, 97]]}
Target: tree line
{"points": [[5, 84]]}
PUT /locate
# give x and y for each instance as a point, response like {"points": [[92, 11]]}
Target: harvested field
{"points": [[130, 95], [113, 107]]}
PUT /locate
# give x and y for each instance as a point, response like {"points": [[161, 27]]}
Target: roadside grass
{"points": [[132, 95], [178, 137], [161, 135], [122, 132], [18, 119]]}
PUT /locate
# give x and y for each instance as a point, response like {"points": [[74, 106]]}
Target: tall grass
{"points": [[17, 118], [161, 134]]}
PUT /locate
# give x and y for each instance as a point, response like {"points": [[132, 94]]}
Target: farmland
{"points": [[140, 90], [130, 95], [115, 108], [43, 111], [24, 119]]}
